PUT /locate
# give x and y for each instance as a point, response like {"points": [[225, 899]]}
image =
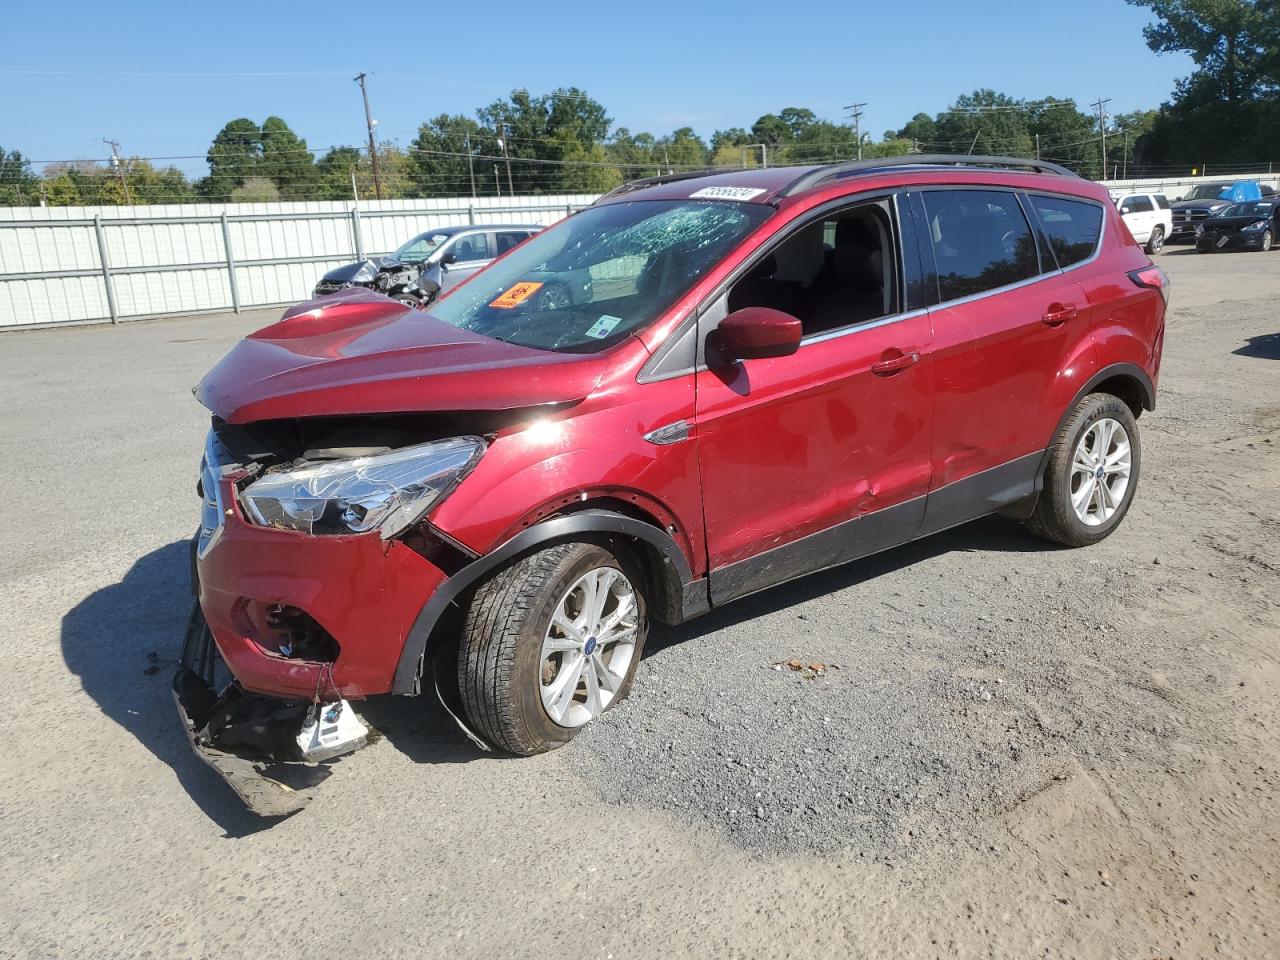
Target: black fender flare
{"points": [[1130, 370], [689, 599]]}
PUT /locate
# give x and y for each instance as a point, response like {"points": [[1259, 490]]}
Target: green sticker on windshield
{"points": [[604, 326]]}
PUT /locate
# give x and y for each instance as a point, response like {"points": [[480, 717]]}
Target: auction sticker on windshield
{"points": [[726, 193], [516, 294], [604, 326]]}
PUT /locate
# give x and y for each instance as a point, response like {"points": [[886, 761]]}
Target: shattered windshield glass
{"points": [[599, 276]]}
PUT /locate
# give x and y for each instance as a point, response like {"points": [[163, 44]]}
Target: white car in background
{"points": [[1148, 217]]}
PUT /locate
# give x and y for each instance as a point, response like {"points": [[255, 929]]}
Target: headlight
{"points": [[1256, 226], [388, 492]]}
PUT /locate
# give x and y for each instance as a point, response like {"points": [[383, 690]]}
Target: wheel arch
{"points": [[674, 594]]}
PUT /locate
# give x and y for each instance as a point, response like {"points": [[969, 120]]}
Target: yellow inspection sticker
{"points": [[516, 295]]}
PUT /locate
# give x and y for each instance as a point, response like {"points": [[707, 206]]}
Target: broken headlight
{"points": [[388, 492]]}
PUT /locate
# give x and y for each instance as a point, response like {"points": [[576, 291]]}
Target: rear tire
{"points": [[1077, 506], [1155, 242], [513, 652]]}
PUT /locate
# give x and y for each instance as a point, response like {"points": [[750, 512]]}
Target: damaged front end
{"points": [[270, 751]]}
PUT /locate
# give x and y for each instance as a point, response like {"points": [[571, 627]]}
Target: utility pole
{"points": [[118, 167], [497, 181], [1101, 105], [373, 145], [855, 114], [1037, 146], [1125, 154], [471, 165], [503, 137]]}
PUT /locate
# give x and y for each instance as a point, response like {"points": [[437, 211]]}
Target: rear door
{"points": [[815, 458], [1007, 325]]}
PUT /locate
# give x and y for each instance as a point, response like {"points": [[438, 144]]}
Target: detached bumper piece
{"points": [[271, 752]]}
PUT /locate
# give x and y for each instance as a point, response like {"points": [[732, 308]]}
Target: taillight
{"points": [[1153, 278]]}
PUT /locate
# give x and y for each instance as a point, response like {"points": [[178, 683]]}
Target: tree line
{"points": [[1227, 111]]}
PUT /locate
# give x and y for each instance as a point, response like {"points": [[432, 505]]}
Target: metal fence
{"points": [[67, 265]]}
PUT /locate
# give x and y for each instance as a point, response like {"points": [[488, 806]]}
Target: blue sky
{"points": [[162, 78]]}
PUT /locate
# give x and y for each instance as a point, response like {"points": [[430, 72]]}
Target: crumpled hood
{"points": [[362, 271], [357, 352], [1231, 224]]}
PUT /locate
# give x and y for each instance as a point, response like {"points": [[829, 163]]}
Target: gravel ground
{"points": [[1012, 751]]}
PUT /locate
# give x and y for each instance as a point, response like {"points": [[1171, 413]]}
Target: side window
{"points": [[981, 241], [1142, 205], [1073, 227], [507, 239], [1162, 201], [834, 272], [474, 246]]}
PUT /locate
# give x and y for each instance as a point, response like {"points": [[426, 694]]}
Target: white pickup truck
{"points": [[1148, 217]]}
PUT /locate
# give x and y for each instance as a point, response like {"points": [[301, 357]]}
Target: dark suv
{"points": [[777, 371]]}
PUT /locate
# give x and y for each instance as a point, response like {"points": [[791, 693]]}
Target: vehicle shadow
{"points": [[990, 533], [113, 637], [1265, 347]]}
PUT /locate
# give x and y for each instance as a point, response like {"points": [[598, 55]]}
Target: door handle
{"points": [[886, 367], [1059, 313]]}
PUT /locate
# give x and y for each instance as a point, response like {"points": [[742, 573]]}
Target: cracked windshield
{"points": [[601, 275]]}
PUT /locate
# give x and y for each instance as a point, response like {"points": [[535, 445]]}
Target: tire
{"points": [[504, 678], [1265, 243], [1056, 517], [1204, 246], [1155, 242]]}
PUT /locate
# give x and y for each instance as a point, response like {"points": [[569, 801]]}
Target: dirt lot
{"points": [[1025, 753]]}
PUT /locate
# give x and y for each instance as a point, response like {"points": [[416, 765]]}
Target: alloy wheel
{"points": [[1100, 470], [589, 646]]}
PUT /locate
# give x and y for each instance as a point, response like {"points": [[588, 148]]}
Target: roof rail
{"points": [[632, 185], [836, 170]]}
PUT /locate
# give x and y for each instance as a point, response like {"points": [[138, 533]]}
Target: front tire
{"points": [[1265, 245], [1204, 246], [549, 644], [1155, 242], [1092, 474]]}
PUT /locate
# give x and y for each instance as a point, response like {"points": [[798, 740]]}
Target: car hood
{"points": [[1196, 204], [358, 352], [1230, 224], [362, 271]]}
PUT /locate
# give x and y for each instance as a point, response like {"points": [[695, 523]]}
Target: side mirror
{"points": [[448, 258], [753, 333]]}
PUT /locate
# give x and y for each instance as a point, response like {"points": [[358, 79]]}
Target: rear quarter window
{"points": [[1162, 201], [1072, 226]]}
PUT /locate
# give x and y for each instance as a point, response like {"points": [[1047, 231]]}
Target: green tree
{"points": [[633, 153], [921, 128], [233, 156], [984, 122], [333, 173], [256, 190], [18, 185], [681, 150], [286, 161], [438, 157]]}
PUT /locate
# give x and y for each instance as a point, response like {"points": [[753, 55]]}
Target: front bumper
{"points": [[362, 591], [1238, 240]]}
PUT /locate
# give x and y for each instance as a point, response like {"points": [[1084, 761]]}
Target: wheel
{"points": [[1092, 473], [1204, 246], [1155, 242], [549, 644], [554, 296], [1266, 241]]}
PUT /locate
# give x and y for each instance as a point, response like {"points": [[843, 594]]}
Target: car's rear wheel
{"points": [[1204, 246], [1155, 242], [1092, 473], [549, 644]]}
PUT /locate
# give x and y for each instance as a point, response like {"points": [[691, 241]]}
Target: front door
{"points": [[812, 459]]}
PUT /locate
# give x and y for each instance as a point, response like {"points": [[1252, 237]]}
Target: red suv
{"points": [[742, 378]]}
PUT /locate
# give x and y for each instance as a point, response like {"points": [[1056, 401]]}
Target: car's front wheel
{"points": [[550, 643], [1265, 243], [1092, 473]]}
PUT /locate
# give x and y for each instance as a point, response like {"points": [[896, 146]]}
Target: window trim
{"points": [[1023, 198]]}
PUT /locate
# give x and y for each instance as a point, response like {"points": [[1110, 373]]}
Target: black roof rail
{"points": [[836, 170], [632, 185]]}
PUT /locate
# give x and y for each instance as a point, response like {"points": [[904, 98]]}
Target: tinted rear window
{"points": [[981, 241], [1073, 227]]}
